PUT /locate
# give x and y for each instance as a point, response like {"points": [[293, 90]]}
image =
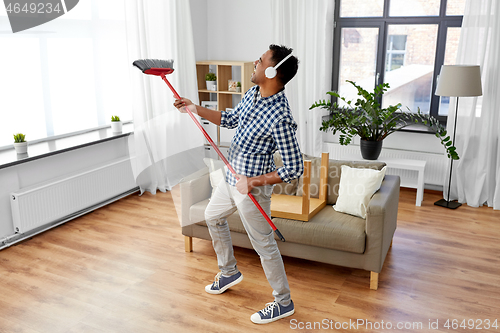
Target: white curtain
{"points": [[164, 140], [307, 27], [476, 178]]}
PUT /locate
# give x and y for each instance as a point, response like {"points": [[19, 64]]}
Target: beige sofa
{"points": [[329, 237]]}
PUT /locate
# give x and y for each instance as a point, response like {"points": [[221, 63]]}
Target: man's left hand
{"points": [[243, 185]]}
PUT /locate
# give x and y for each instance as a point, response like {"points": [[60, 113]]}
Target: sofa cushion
{"points": [[334, 171], [357, 185], [328, 229]]}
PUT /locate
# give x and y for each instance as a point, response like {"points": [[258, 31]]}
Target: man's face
{"points": [[260, 65]]}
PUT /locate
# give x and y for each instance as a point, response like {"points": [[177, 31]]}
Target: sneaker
{"points": [[272, 312], [222, 283]]}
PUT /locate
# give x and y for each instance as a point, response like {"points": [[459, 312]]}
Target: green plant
{"points": [[210, 77], [19, 137], [371, 122], [238, 84], [115, 118]]}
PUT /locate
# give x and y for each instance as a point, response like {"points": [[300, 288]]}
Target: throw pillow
{"points": [[356, 188], [217, 171]]}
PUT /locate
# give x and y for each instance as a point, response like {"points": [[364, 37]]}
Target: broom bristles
{"points": [[145, 64]]}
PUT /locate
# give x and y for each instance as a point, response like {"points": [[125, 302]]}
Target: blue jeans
{"points": [[224, 202]]}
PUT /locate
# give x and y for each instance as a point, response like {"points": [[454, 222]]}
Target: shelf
{"points": [[224, 71], [219, 91], [230, 92]]}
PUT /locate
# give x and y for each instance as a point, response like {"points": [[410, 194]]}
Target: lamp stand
{"points": [[443, 202]]}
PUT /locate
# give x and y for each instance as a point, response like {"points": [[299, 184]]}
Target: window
{"points": [[396, 50], [399, 42], [67, 75]]}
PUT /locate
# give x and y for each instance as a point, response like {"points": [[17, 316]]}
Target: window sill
{"points": [[9, 157]]}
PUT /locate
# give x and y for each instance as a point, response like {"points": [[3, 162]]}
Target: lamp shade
{"points": [[459, 81]]}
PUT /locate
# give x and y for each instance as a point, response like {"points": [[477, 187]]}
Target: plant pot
{"points": [[116, 126], [212, 85], [21, 147], [370, 150]]}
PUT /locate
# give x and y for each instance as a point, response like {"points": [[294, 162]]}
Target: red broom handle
{"points": [[223, 158]]}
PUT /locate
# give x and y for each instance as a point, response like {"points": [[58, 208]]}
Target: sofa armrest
{"points": [[381, 222], [194, 188]]}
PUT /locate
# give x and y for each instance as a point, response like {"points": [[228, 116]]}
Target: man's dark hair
{"points": [[288, 69]]}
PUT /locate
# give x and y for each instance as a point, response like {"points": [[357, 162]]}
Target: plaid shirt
{"points": [[264, 125]]}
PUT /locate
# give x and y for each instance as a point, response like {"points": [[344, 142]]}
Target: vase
{"points": [[212, 85], [116, 126], [21, 147], [370, 150]]}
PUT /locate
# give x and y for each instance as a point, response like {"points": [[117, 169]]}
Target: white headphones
{"points": [[272, 71]]}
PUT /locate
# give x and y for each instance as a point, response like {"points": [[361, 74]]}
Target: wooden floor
{"points": [[123, 269]]}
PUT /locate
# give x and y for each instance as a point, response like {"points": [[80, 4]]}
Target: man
{"points": [[264, 124]]}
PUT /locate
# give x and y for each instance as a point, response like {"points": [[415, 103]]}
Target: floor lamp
{"points": [[457, 81]]}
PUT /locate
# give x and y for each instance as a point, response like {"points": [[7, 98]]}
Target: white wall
{"points": [[199, 20], [239, 30]]}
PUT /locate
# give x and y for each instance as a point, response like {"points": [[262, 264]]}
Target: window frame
{"points": [[382, 23]]}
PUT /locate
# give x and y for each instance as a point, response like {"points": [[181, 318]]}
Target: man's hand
{"points": [[182, 103], [243, 185]]}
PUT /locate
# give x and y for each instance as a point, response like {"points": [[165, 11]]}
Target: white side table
{"points": [[402, 164]]}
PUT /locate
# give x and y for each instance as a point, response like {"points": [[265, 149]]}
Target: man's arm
{"points": [[211, 115], [246, 184]]}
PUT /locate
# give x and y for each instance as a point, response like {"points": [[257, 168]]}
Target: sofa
{"points": [[330, 236]]}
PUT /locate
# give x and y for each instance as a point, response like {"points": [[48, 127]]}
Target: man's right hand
{"points": [[182, 103]]}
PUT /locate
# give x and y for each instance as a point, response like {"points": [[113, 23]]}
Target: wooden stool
{"points": [[303, 207]]}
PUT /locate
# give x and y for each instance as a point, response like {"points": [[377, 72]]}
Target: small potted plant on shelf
{"points": [[372, 123], [116, 124], [20, 143], [211, 80], [238, 86]]}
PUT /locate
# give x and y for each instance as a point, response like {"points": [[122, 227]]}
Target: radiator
{"points": [[59, 198], [435, 167]]}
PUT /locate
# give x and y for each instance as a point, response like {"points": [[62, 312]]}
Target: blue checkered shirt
{"points": [[264, 125]]}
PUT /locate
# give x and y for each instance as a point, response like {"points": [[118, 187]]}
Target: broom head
{"points": [[154, 66]]}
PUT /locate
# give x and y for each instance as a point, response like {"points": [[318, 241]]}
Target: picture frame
{"points": [[232, 85], [210, 105]]}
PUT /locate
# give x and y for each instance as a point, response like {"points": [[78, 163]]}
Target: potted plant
{"points": [[372, 123], [211, 80], [116, 124], [20, 143], [238, 86]]}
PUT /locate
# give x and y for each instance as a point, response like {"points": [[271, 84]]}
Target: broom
{"points": [[162, 68]]}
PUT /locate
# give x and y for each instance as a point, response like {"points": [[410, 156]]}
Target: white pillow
{"points": [[217, 171], [356, 189]]}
